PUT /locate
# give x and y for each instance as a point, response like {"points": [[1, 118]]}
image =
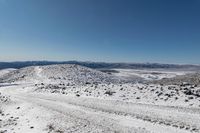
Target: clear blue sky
{"points": [[165, 31]]}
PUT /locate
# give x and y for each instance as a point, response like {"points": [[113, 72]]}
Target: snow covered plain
{"points": [[149, 74], [72, 98]]}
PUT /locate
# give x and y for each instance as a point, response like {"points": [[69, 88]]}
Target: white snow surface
{"points": [[71, 98], [5, 71], [148, 74], [73, 74]]}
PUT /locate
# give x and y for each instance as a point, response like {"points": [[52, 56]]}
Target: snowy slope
{"points": [[5, 71], [24, 74], [191, 78], [73, 74]]}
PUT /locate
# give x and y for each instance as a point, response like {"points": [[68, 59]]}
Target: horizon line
{"points": [[97, 62]]}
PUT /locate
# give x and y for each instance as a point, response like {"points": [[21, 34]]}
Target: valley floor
{"points": [[36, 112]]}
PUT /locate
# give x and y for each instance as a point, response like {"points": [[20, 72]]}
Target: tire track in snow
{"points": [[84, 117], [143, 119], [149, 116], [115, 112]]}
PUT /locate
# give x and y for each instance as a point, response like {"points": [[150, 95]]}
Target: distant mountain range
{"points": [[99, 65]]}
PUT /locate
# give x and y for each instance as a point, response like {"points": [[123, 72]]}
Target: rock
{"points": [[109, 92], [78, 95]]}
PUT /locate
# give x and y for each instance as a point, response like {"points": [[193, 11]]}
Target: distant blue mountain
{"points": [[98, 65]]}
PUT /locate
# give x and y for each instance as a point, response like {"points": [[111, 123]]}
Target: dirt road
{"points": [[44, 112]]}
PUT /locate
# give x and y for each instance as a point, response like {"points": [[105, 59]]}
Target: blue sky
{"points": [[164, 31]]}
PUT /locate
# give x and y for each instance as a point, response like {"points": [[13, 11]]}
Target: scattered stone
{"points": [[78, 95], [137, 97], [109, 92]]}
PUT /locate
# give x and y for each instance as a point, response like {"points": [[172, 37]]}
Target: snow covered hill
{"points": [[5, 71], [73, 74]]}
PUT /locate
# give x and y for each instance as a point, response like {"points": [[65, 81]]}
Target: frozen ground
{"points": [[68, 98]]}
